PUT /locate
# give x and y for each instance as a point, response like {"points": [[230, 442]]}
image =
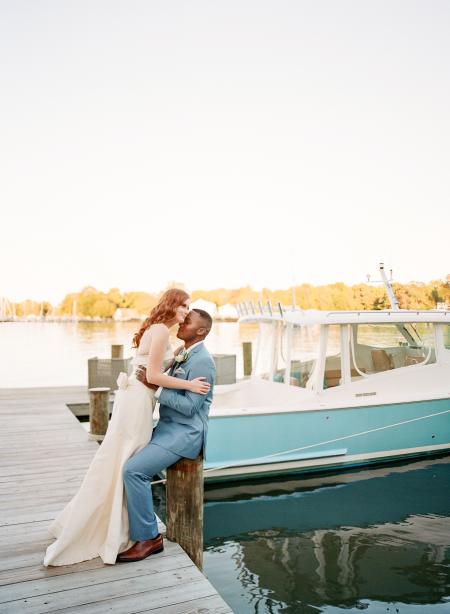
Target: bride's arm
{"points": [[158, 345]]}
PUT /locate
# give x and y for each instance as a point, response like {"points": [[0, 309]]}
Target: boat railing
{"points": [[249, 308], [386, 312]]}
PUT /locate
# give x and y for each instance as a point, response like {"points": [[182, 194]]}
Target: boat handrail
{"points": [[387, 311], [316, 316]]}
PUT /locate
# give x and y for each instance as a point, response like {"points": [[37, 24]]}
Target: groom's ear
{"points": [[201, 332]]}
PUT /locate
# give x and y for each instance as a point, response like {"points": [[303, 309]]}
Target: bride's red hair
{"points": [[164, 311]]}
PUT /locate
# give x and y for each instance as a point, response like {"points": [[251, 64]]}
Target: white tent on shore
{"points": [[227, 312]]}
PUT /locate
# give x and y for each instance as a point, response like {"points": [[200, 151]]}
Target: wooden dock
{"points": [[44, 452]]}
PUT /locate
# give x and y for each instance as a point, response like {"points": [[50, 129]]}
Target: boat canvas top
{"points": [[315, 316]]}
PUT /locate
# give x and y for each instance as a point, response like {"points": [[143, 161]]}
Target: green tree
{"points": [[141, 301], [115, 297], [381, 302], [436, 297], [66, 306], [103, 308], [86, 301], [46, 308]]}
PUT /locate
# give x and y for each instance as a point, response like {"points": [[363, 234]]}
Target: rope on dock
{"points": [[315, 445]]}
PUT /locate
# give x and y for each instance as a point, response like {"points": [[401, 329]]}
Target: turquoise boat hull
{"points": [[242, 446]]}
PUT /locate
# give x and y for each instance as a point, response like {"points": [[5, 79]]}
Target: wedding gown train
{"points": [[95, 522]]}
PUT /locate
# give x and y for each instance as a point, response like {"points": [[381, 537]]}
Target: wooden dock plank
{"points": [[211, 605], [24, 558], [122, 589], [85, 578], [151, 601], [65, 394], [44, 453]]}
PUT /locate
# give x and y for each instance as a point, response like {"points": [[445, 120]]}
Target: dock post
{"points": [[247, 355], [184, 493], [98, 412], [116, 351]]}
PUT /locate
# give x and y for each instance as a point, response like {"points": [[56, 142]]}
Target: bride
{"points": [[95, 522]]}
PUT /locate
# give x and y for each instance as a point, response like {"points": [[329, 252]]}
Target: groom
{"points": [[180, 433]]}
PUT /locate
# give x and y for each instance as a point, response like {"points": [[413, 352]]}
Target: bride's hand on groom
{"points": [[199, 385], [141, 375]]}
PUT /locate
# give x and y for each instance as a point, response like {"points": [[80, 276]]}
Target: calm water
{"points": [[56, 353], [375, 540]]}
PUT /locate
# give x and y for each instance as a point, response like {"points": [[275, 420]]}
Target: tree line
{"points": [[92, 303]]}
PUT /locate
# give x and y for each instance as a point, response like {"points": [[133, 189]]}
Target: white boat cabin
{"points": [[321, 359]]}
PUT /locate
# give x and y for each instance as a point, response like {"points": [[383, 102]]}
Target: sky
{"points": [[220, 144]]}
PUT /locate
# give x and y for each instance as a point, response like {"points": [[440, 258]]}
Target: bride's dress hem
{"points": [[95, 522]]}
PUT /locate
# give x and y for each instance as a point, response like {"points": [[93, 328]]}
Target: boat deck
{"points": [[44, 453]]}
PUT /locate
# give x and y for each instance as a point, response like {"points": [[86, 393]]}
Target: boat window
{"points": [[281, 354], [265, 349], [446, 332], [333, 369], [304, 353], [383, 347]]}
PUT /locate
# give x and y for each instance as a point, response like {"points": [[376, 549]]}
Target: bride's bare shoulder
{"points": [[159, 331]]}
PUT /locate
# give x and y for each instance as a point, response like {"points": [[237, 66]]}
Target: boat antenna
{"points": [[388, 286], [389, 290]]}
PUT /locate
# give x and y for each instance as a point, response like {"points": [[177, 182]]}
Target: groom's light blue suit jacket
{"points": [[183, 415]]}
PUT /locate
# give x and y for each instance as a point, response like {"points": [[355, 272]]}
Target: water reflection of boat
{"points": [[316, 542], [242, 490], [331, 390], [345, 566], [304, 504]]}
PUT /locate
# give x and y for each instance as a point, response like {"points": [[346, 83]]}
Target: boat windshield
{"points": [[280, 345], [382, 347], [304, 353]]}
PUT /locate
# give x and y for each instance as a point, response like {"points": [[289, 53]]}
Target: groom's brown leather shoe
{"points": [[141, 550]]}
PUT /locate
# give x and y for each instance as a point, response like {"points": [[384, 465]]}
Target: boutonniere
{"points": [[181, 356]]}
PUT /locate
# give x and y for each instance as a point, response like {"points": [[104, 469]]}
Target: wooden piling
{"points": [[247, 356], [184, 494], [116, 351], [98, 412]]}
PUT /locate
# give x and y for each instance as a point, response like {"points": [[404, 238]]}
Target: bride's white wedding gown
{"points": [[95, 522]]}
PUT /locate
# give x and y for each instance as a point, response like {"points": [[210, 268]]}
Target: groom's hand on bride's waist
{"points": [[141, 375]]}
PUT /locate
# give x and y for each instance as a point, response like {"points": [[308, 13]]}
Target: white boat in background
{"points": [[334, 389]]}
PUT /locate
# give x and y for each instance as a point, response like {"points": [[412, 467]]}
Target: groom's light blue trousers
{"points": [[137, 475]]}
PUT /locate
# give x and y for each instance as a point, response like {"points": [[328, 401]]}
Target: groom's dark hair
{"points": [[206, 318]]}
